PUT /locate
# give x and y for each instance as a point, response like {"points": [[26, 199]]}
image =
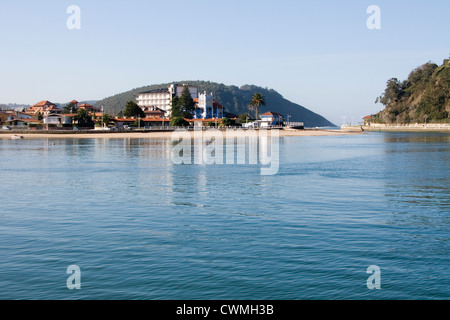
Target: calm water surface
{"points": [[140, 227]]}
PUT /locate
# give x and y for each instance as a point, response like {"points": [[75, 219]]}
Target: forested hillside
{"points": [[423, 97], [234, 100]]}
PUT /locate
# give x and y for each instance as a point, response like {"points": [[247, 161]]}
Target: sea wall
{"points": [[404, 127]]}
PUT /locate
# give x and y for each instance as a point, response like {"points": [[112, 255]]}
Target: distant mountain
{"points": [[234, 100], [13, 106], [423, 97]]}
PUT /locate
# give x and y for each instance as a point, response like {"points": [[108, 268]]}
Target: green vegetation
{"points": [[184, 106], [225, 122], [133, 110], [69, 108], [423, 97], [234, 100], [106, 119], [84, 119], [256, 102], [244, 118], [103, 121], [179, 122]]}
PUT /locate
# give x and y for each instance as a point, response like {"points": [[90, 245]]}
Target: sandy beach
{"points": [[167, 135]]}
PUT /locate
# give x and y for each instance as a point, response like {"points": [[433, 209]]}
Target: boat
{"points": [[16, 137]]}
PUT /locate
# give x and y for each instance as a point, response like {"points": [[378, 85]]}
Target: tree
{"points": [[179, 122], [257, 102], [176, 109], [392, 93], [84, 119], [106, 119], [184, 106], [69, 108], [39, 116], [245, 118], [133, 110], [225, 122], [120, 114]]}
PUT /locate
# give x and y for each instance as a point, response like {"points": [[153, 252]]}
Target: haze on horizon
{"points": [[318, 54]]}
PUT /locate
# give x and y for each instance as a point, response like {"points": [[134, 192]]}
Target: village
{"points": [[155, 114]]}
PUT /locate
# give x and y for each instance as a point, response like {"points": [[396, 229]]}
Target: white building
{"points": [[207, 107], [58, 119], [162, 98]]}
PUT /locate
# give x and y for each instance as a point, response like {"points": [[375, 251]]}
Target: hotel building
{"points": [[162, 98]]}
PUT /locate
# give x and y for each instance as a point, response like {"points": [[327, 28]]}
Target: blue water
{"points": [[140, 227]]}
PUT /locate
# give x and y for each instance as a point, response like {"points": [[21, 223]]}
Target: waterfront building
{"points": [[58, 119], [207, 108], [271, 119], [44, 108], [89, 108], [162, 98]]}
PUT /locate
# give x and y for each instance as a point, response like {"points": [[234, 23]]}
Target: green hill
{"points": [[234, 99], [423, 97]]}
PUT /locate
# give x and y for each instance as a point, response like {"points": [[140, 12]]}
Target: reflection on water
{"points": [[417, 137], [141, 227]]}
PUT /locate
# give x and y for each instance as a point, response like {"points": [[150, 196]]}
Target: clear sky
{"points": [[319, 54]]}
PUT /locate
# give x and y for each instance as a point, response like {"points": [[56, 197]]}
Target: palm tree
{"points": [[256, 102]]}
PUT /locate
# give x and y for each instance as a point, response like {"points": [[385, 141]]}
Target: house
{"points": [[58, 119], [89, 108], [74, 104], [148, 122], [202, 122], [207, 108], [17, 118], [24, 115], [367, 120], [13, 115], [44, 108], [3, 117], [154, 112], [271, 119], [22, 122]]}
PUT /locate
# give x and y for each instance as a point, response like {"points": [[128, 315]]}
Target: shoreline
{"points": [[166, 134], [401, 128]]}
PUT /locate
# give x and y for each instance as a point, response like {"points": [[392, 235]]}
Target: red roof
{"points": [[53, 107], [44, 103], [216, 104], [26, 120], [154, 120], [85, 105], [143, 119], [272, 113]]}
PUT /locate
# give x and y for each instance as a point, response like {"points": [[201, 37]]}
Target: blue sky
{"points": [[319, 54]]}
